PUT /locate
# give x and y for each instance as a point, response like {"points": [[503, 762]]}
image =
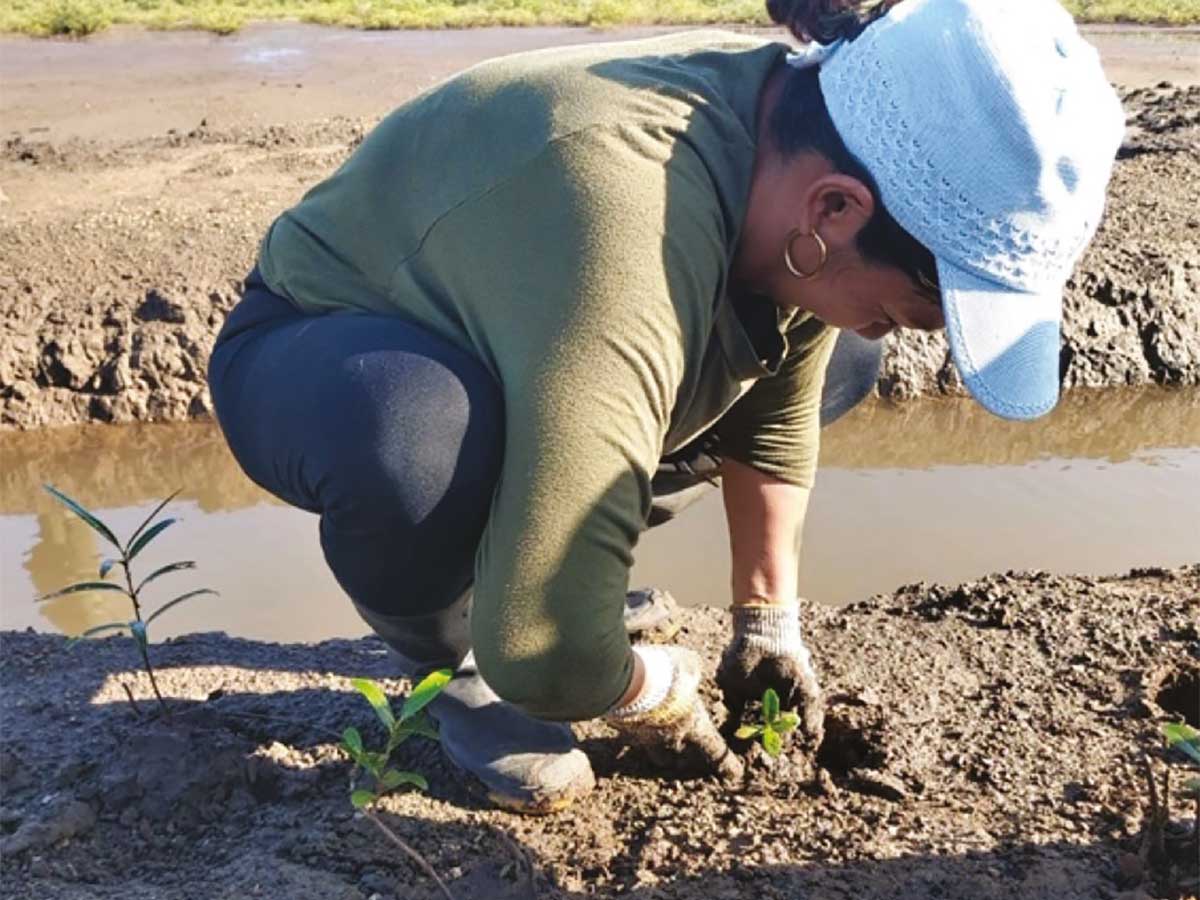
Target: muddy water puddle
{"points": [[935, 491]]}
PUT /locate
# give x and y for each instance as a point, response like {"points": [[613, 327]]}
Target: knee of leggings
{"points": [[431, 440]]}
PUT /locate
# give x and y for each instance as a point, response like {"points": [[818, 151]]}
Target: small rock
{"points": [[67, 820], [878, 784]]}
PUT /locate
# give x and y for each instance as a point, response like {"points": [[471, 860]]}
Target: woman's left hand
{"points": [[677, 734]]}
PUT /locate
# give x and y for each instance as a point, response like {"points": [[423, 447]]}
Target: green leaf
{"points": [[361, 798], [138, 630], [173, 567], [419, 726], [1180, 731], [772, 742], [374, 762], [111, 626], [147, 536], [378, 700], [76, 508], [786, 722], [428, 688], [85, 586], [188, 596], [1190, 748], [352, 741], [106, 567], [1183, 738], [748, 731], [770, 705], [393, 778], [150, 518]]}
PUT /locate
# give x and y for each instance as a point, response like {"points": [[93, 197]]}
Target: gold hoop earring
{"points": [[822, 250]]}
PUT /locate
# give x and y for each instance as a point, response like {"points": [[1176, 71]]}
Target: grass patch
{"points": [[82, 17]]}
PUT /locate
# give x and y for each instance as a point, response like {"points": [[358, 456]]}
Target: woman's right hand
{"points": [[678, 734]]}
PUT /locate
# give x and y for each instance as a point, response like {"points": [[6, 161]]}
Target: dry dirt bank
{"points": [[119, 258], [984, 741]]}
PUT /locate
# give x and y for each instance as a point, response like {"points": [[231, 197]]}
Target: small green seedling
{"points": [[774, 724], [412, 720], [138, 541], [1183, 738], [1186, 740]]}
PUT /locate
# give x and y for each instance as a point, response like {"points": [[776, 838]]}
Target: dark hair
{"points": [[801, 122]]}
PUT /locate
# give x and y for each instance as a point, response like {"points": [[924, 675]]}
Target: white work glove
{"points": [[669, 720]]}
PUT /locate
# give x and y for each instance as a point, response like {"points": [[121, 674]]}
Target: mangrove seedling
{"points": [[1183, 738], [413, 720], [1186, 740], [773, 727], [139, 625]]}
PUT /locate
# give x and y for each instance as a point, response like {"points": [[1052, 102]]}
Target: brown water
{"points": [[937, 491]]}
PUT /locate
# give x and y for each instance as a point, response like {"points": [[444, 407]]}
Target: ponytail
{"points": [[826, 21]]}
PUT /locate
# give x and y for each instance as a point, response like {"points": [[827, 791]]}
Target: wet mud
{"points": [[120, 257], [984, 740]]}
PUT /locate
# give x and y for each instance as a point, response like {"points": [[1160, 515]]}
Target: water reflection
{"points": [[895, 482], [120, 472], [107, 466], [1113, 425], [122, 466]]}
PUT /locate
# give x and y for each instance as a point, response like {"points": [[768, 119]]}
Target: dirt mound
{"points": [[120, 260], [984, 741]]}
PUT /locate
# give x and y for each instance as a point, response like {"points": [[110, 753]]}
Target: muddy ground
{"points": [[984, 741], [123, 248]]}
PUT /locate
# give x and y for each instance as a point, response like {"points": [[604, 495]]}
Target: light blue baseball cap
{"points": [[991, 131]]}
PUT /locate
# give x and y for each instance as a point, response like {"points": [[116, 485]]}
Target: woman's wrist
{"points": [[774, 630], [762, 599], [654, 673]]}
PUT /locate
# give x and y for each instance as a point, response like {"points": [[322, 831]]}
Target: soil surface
{"points": [[983, 741], [129, 212]]}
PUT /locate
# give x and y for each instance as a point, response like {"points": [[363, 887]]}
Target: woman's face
{"points": [[792, 198], [866, 298]]}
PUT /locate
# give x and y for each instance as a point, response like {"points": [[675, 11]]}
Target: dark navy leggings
{"points": [[394, 437]]}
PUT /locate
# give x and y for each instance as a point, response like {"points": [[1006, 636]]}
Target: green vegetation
{"points": [[773, 727], [127, 551], [412, 721], [374, 763], [1186, 740], [82, 17]]}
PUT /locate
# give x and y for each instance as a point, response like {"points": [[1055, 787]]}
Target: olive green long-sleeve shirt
{"points": [[569, 217]]}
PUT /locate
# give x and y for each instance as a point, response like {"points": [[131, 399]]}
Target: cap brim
{"points": [[1005, 343]]}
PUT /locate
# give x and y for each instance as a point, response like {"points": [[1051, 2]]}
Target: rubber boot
{"points": [[650, 615], [525, 764]]}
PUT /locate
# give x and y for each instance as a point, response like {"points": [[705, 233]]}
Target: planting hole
{"points": [[1179, 695], [846, 747]]}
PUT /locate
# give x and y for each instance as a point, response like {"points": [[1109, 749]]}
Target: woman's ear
{"points": [[839, 206]]}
